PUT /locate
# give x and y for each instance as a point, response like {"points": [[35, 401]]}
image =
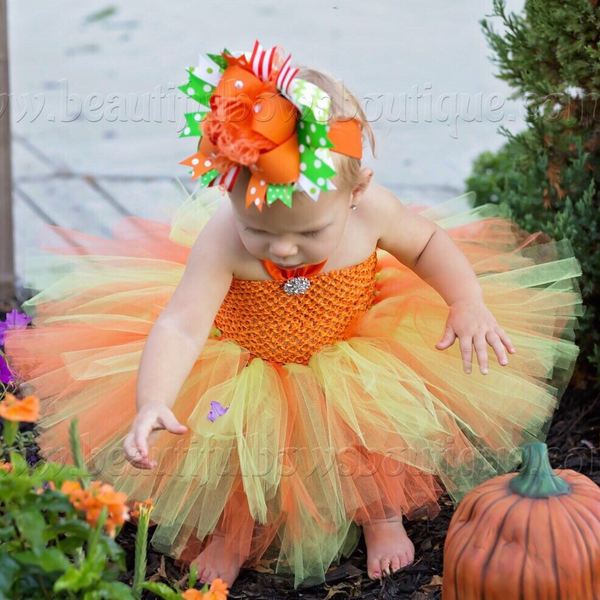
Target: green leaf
{"points": [[162, 590], [141, 542], [74, 527], [9, 571], [9, 432], [193, 575], [113, 550], [14, 489], [70, 545], [117, 590], [55, 502], [71, 580], [79, 579], [20, 467], [95, 560], [47, 470], [50, 559], [75, 443], [31, 525], [95, 595]]}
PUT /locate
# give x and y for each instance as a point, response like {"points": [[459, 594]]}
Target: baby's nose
{"points": [[283, 249]]}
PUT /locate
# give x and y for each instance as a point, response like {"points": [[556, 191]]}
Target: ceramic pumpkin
{"points": [[527, 535]]}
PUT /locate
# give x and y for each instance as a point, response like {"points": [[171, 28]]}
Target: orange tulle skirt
{"points": [[376, 425]]}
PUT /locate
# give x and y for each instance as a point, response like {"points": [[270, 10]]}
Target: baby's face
{"points": [[307, 233]]}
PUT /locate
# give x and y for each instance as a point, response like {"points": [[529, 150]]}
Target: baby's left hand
{"points": [[474, 325]]}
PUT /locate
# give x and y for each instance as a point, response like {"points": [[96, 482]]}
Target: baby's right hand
{"points": [[151, 417]]}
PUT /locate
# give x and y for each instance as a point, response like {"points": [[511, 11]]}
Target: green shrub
{"points": [[547, 177]]}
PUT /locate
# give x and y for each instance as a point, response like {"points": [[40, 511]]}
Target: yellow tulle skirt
{"points": [[379, 424]]}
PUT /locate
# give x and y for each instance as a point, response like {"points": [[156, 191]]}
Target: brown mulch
{"points": [[573, 443]]}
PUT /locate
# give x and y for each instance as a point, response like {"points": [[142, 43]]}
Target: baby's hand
{"points": [[474, 324], [151, 417]]}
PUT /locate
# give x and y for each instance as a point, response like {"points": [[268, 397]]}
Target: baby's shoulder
{"points": [[219, 239], [378, 206]]}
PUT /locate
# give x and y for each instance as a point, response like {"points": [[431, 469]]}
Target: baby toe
{"points": [[374, 568], [385, 565], [212, 575], [202, 573]]}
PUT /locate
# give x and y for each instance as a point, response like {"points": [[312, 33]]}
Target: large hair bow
{"points": [[255, 112]]}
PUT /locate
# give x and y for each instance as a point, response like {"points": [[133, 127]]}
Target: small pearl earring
{"points": [[353, 207]]}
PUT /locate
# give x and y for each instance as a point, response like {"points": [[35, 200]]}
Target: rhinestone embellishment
{"points": [[296, 285]]}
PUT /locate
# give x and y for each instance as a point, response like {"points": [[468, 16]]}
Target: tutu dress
{"points": [[318, 402]]}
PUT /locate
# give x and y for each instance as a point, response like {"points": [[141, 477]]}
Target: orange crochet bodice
{"points": [[285, 320]]}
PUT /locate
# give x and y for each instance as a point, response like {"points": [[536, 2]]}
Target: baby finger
{"points": [[495, 342], [505, 340], [466, 351], [482, 355], [132, 453], [141, 437]]}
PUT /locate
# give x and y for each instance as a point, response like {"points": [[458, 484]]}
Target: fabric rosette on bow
{"points": [[255, 112]]}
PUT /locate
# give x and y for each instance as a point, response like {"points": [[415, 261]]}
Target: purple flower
{"points": [[14, 320], [217, 410], [5, 374]]}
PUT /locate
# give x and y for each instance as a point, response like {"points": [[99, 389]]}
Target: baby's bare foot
{"points": [[388, 547], [214, 561]]}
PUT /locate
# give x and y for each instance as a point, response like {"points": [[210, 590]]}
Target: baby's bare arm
{"points": [[432, 254], [181, 330], [425, 248]]}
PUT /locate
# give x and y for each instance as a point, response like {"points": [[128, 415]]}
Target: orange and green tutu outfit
{"points": [[333, 405]]}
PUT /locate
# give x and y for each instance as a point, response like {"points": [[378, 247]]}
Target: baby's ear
{"points": [[364, 179]]}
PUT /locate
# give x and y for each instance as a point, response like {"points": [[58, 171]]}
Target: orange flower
{"points": [[218, 591], [77, 495], [68, 487], [6, 466], [94, 499], [13, 409], [145, 505], [105, 495], [193, 594]]}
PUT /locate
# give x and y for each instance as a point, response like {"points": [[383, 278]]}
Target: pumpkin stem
{"points": [[537, 479]]}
